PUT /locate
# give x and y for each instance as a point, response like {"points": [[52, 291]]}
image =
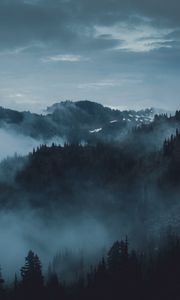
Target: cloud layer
{"points": [[49, 49]]}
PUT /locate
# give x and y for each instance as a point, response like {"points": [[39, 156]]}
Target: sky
{"points": [[121, 53]]}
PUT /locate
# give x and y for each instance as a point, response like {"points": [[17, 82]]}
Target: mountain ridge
{"points": [[62, 118]]}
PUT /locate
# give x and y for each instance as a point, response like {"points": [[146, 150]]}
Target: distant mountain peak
{"points": [[82, 104]]}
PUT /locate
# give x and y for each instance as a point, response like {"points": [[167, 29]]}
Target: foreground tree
{"points": [[32, 278], [2, 292]]}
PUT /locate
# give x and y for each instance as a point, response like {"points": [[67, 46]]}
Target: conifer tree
{"points": [[31, 273], [1, 286]]}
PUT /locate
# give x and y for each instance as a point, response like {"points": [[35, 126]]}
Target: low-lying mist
{"points": [[86, 234], [27, 229], [15, 143], [80, 198]]}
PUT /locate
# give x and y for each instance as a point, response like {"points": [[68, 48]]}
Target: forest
{"points": [[95, 217], [151, 273], [89, 150]]}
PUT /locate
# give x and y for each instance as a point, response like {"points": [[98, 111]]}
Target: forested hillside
{"points": [[73, 200]]}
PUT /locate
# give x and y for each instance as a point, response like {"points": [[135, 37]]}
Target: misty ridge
{"points": [[72, 122], [81, 176]]}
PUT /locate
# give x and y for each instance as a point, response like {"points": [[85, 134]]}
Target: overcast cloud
{"points": [[122, 53]]}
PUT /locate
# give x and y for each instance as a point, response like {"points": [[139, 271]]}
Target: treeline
{"points": [[88, 175], [123, 274], [160, 119], [65, 174], [150, 137], [111, 165], [171, 150], [172, 145]]}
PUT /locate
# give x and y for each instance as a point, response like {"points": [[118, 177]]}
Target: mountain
{"points": [[90, 122], [116, 174], [73, 121], [95, 114]]}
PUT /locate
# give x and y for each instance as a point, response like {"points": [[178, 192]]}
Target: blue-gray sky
{"points": [[121, 53]]}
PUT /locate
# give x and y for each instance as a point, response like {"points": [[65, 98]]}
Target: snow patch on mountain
{"points": [[95, 130], [113, 121]]}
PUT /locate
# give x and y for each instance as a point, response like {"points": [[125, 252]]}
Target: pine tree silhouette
{"points": [[2, 291], [31, 273]]}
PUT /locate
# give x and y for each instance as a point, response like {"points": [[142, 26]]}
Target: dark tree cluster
{"points": [[171, 150], [123, 274], [73, 172], [102, 163], [172, 144], [126, 274]]}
